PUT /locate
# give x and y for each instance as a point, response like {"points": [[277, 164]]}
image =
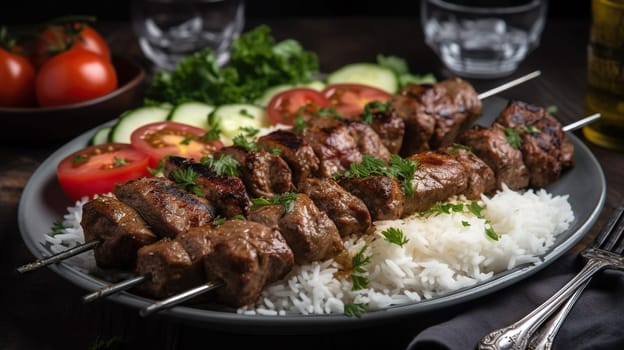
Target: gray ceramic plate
{"points": [[43, 202]]}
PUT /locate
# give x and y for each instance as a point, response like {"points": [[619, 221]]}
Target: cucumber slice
{"points": [[135, 118], [100, 136], [366, 73], [192, 113], [316, 85], [232, 117]]}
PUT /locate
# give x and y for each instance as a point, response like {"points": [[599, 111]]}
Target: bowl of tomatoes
{"points": [[64, 82]]}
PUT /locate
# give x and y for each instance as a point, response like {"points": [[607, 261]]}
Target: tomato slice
{"points": [[96, 169], [166, 138], [349, 99], [285, 106]]}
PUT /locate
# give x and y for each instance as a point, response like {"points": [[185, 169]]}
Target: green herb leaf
{"points": [[219, 220], [513, 137], [465, 223], [186, 179], [119, 162], [476, 209], [456, 147], [355, 309], [249, 131], [159, 167], [225, 165], [287, 200], [489, 231], [373, 107], [395, 236], [57, 228], [79, 159], [359, 260], [241, 141], [531, 129], [359, 282]]}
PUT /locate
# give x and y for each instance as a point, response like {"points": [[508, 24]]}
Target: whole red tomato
{"points": [[58, 38], [17, 80], [74, 76]]}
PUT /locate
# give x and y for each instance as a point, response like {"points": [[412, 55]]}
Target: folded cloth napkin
{"points": [[595, 322]]}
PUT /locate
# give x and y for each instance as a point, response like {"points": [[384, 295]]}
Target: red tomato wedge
{"points": [[161, 139], [349, 99], [285, 106], [96, 169]]}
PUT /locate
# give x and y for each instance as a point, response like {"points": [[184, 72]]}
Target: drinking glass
{"points": [[169, 30], [483, 38]]}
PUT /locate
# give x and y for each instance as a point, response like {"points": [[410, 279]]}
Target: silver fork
{"points": [[604, 253]]}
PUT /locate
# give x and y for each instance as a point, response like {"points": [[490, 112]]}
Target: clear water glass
{"points": [[169, 30], [481, 38]]}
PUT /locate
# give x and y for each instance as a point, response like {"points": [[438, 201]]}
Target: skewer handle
{"points": [[114, 288], [509, 85], [58, 257], [180, 298], [581, 123]]}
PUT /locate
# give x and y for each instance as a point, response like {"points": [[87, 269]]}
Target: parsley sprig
{"points": [[371, 108], [241, 141], [57, 228], [186, 179], [399, 168], [225, 165], [287, 200], [395, 235], [355, 309], [513, 137], [359, 260], [473, 207]]}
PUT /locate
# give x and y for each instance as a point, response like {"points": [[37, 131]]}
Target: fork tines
{"points": [[610, 238]]}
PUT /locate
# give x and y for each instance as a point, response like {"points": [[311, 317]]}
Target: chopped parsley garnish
{"points": [[473, 207], [186, 179], [531, 129], [214, 128], [445, 208], [287, 200], [225, 165], [241, 141], [119, 162], [373, 107], [355, 309], [246, 114], [457, 146], [513, 137], [249, 131], [187, 140], [57, 228], [299, 124], [79, 159], [239, 217], [489, 231], [276, 151], [219, 220], [476, 209], [358, 261], [465, 223], [399, 168], [159, 167], [395, 236]]}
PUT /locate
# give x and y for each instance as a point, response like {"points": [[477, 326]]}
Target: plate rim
{"points": [[305, 323]]}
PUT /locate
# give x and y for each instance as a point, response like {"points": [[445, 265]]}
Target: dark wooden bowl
{"points": [[47, 125]]}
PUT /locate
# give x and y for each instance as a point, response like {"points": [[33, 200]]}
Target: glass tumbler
{"points": [[483, 38], [169, 30]]}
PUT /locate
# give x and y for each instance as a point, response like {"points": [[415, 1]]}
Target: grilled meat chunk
{"points": [[382, 195], [246, 256], [339, 143], [169, 267], [299, 155], [164, 206], [491, 145], [120, 230], [308, 231], [390, 128], [264, 174], [542, 141], [419, 124], [481, 178], [347, 211], [451, 105], [227, 193]]}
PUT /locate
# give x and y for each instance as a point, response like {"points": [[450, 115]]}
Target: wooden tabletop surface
{"points": [[42, 310]]}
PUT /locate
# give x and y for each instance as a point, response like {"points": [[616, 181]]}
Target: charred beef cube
{"points": [[481, 178], [119, 229], [347, 211], [542, 141], [339, 143], [264, 174], [438, 177], [227, 193], [452, 105], [419, 124], [382, 195], [164, 206], [391, 130], [246, 256], [169, 269], [198, 244], [308, 231], [297, 153], [491, 145]]}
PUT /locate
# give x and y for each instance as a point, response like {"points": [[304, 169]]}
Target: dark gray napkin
{"points": [[595, 322]]}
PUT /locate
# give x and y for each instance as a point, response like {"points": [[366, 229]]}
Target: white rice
{"points": [[443, 253]]}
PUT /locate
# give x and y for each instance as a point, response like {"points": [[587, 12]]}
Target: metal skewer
{"points": [[180, 298], [58, 257], [115, 288], [581, 123], [509, 85]]}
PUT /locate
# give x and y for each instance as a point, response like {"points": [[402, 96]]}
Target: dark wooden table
{"points": [[42, 310]]}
